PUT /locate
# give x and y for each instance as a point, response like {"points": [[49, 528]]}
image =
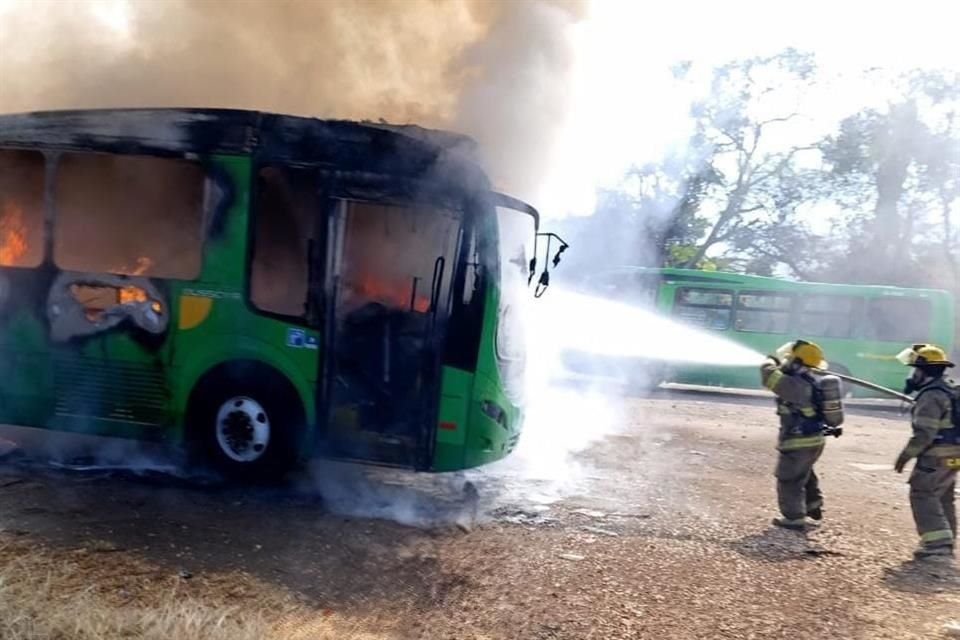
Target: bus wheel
{"points": [[247, 426]]}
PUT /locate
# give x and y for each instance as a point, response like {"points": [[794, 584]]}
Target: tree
{"points": [[895, 171], [753, 152], [651, 218]]}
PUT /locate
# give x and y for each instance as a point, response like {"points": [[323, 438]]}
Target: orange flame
{"points": [[13, 235], [131, 294], [143, 264], [392, 294]]}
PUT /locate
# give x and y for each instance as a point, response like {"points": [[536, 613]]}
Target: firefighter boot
{"points": [[793, 524], [924, 552]]}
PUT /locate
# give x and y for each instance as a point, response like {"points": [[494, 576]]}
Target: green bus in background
{"points": [[261, 287], [861, 328]]}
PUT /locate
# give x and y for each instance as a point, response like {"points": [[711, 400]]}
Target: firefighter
{"points": [[936, 446], [801, 439]]}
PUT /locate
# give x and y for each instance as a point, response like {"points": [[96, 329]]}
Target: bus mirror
{"points": [[544, 281], [556, 258]]}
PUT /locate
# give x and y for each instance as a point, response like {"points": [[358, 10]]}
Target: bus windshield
{"points": [[517, 232]]}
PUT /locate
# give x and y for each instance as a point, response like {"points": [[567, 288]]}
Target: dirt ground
{"points": [[664, 533]]}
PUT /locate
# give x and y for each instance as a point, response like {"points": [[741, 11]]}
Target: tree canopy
{"points": [[757, 189]]}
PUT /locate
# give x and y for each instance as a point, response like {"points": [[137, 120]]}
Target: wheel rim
{"points": [[243, 429]]}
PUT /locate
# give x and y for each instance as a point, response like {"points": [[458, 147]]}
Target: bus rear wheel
{"points": [[248, 425]]}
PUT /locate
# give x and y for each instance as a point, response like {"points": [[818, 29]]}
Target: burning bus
{"points": [[261, 288]]}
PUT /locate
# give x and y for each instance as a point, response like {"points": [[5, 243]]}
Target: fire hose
{"points": [[867, 385]]}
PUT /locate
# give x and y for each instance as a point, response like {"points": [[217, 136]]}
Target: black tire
{"points": [[251, 396]]}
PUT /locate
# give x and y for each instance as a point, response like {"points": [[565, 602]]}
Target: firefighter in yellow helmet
{"points": [[801, 439], [936, 446]]}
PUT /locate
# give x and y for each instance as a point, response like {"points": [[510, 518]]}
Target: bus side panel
{"points": [[212, 322], [26, 384], [456, 390], [494, 421], [202, 350]]}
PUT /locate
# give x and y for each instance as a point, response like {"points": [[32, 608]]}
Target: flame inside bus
{"points": [[13, 235]]}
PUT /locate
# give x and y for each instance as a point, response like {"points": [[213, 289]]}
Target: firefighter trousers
{"points": [[798, 488], [932, 486]]}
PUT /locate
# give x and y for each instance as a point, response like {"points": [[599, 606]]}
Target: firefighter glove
{"points": [[902, 461]]}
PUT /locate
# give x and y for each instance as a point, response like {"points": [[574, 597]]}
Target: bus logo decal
{"points": [[296, 338]]}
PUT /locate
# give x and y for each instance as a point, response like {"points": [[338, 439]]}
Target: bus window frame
{"points": [[678, 303], [46, 207], [215, 206], [333, 187], [465, 331], [867, 315], [317, 300], [790, 310], [856, 313]]}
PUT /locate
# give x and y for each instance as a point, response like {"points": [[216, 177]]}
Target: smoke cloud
{"points": [[494, 69]]}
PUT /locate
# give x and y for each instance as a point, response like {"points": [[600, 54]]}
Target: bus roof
{"points": [[406, 150], [765, 282]]}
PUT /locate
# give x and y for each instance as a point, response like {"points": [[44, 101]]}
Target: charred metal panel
{"points": [[132, 130], [81, 304], [403, 151]]}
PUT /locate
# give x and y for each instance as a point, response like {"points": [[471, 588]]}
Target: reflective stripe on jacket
{"points": [[931, 418], [800, 426]]}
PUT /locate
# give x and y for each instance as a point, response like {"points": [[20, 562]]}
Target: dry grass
{"points": [[40, 600], [50, 594]]}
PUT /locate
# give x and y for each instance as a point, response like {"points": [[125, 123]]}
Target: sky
{"points": [[622, 105], [627, 108]]}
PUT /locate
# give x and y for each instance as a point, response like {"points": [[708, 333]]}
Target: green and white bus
{"points": [[860, 327], [261, 287]]}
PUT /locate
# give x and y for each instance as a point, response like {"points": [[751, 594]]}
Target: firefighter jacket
{"points": [[800, 424], [931, 418]]}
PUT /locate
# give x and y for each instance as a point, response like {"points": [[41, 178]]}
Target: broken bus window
{"points": [[131, 215], [21, 208], [279, 271]]}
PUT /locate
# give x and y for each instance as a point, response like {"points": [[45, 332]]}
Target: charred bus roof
{"points": [[406, 151]]}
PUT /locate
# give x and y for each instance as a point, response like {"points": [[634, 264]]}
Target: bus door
{"points": [[389, 273]]}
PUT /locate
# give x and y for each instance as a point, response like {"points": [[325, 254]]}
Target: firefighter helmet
{"points": [[809, 353], [921, 355]]}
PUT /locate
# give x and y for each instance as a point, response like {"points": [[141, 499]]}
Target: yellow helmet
{"points": [[920, 355], [809, 353]]}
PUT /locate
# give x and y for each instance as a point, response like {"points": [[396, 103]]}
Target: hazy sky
{"points": [[627, 108], [619, 105]]}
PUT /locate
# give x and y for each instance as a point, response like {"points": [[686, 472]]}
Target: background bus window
{"points": [[897, 319], [21, 208], [708, 308], [638, 289], [287, 205], [132, 215], [827, 316], [763, 312]]}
